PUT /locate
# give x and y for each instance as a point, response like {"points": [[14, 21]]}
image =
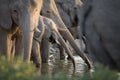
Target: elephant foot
{"points": [[38, 65], [62, 55], [36, 61], [62, 51]]}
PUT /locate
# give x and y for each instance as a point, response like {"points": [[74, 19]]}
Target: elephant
{"points": [[50, 29], [69, 10], [49, 10], [100, 26], [36, 45], [18, 15]]}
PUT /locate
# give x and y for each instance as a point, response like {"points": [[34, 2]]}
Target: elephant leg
{"points": [[36, 55], [45, 49], [13, 48], [5, 43], [62, 52], [18, 45]]}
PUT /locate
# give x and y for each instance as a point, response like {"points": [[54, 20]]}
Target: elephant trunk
{"points": [[28, 38], [27, 29], [62, 42], [54, 15], [66, 34]]}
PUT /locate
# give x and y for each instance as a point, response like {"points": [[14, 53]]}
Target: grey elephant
{"points": [[49, 10], [48, 29], [69, 11], [18, 15], [100, 25], [36, 45]]}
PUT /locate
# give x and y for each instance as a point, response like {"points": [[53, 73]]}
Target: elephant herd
{"points": [[28, 26]]}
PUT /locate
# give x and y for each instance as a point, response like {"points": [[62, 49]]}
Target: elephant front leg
{"points": [[18, 45], [36, 54], [62, 52], [45, 47], [5, 43]]}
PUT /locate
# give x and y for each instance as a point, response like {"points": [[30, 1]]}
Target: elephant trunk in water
{"points": [[63, 43], [53, 13], [67, 35], [70, 39], [51, 30]]}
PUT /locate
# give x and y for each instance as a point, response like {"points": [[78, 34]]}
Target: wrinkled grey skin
{"points": [[36, 54], [49, 9], [100, 25], [69, 11], [22, 15], [36, 45], [50, 30]]}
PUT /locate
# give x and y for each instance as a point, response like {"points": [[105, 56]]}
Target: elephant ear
{"points": [[5, 18]]}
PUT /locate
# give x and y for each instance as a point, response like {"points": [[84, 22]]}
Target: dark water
{"points": [[56, 65]]}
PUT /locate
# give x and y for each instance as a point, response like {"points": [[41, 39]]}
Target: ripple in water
{"points": [[66, 66]]}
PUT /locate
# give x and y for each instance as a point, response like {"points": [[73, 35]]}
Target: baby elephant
{"points": [[44, 31], [36, 45]]}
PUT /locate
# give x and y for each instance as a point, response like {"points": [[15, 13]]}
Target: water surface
{"points": [[56, 65]]}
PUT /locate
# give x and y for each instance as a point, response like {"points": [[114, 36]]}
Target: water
{"points": [[56, 65]]}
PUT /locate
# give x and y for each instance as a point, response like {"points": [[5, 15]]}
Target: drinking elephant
{"points": [[49, 10], [18, 15], [100, 25], [69, 11], [36, 45], [50, 29]]}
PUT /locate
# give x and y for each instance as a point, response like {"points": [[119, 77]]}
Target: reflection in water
{"points": [[65, 66]]}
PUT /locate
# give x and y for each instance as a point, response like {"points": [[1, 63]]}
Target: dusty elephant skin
{"points": [[100, 25], [22, 14], [50, 10], [51, 30], [36, 45], [69, 11]]}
